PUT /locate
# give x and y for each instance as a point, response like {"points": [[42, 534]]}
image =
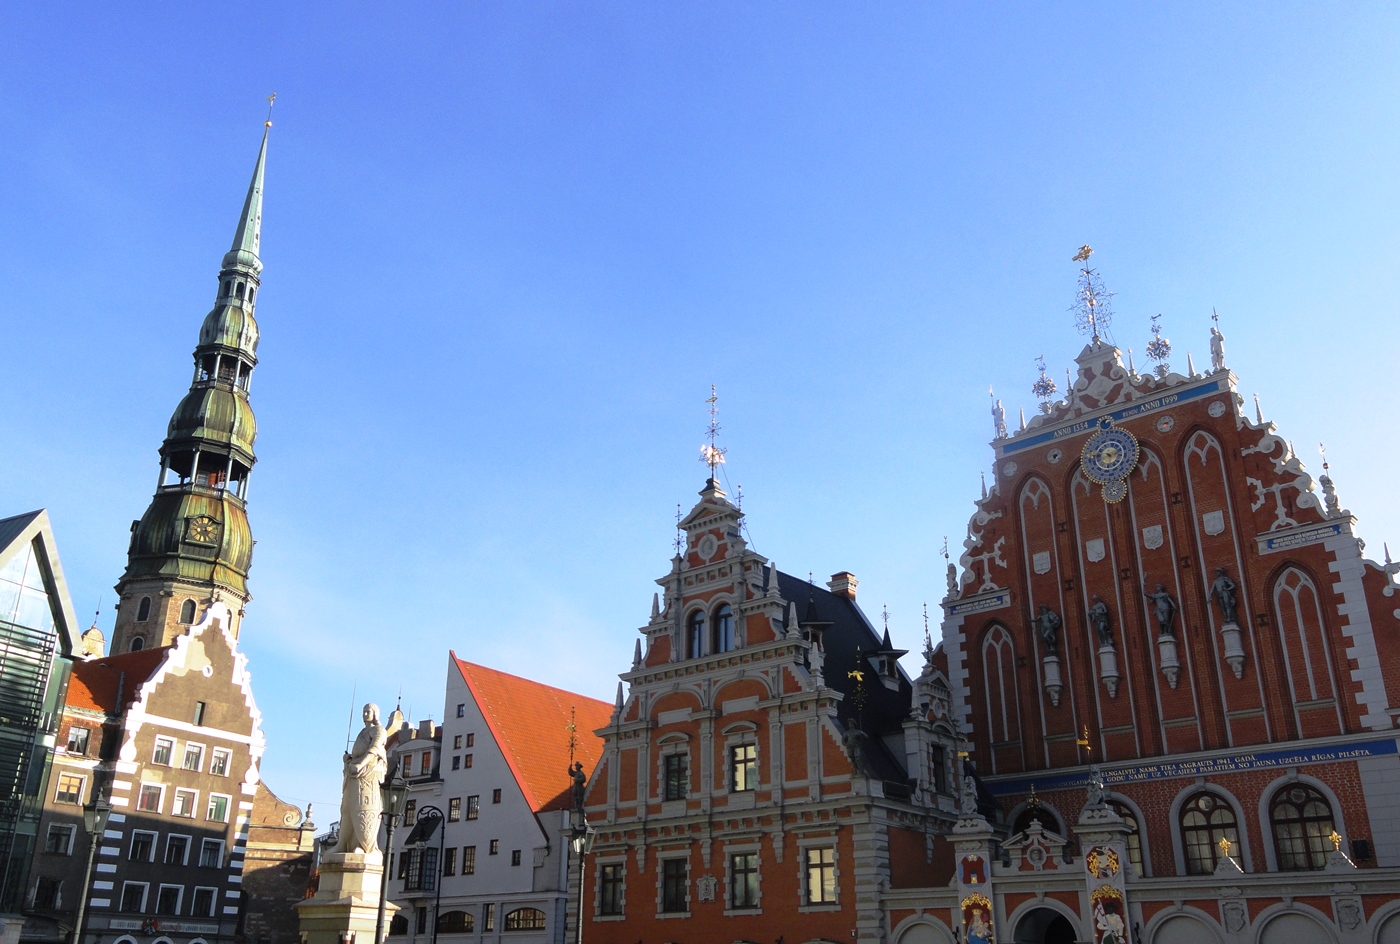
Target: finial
{"points": [[1044, 388], [928, 637], [885, 614], [270, 100], [680, 538], [739, 497], [1023, 418], [1092, 302], [1258, 413], [572, 728], [1336, 839], [984, 485], [710, 454], [1190, 365], [655, 605], [1131, 368], [1159, 348], [1224, 847]]}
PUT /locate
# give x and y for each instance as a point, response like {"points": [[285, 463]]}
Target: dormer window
{"points": [[695, 635]]}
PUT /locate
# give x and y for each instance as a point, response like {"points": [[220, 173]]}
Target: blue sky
{"points": [[509, 246]]}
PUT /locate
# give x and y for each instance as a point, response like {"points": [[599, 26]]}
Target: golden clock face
{"points": [[204, 530]]}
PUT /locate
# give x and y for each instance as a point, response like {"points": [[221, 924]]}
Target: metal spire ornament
{"points": [[710, 454], [1159, 348], [1044, 388], [1093, 309]]}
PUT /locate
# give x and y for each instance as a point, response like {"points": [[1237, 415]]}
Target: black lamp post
{"points": [[394, 794], [581, 841], [95, 822], [423, 829]]}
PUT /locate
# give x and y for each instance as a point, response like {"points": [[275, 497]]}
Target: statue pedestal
{"points": [[346, 904]]}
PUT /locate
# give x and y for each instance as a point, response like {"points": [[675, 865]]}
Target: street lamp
{"points": [[429, 819], [95, 822], [394, 794], [581, 841]]}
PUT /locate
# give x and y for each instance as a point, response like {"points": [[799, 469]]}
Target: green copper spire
{"points": [[193, 545], [246, 238]]}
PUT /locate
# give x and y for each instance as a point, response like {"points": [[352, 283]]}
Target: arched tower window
{"points": [[723, 629], [137, 644], [143, 610], [187, 611], [1205, 820], [1305, 641], [1302, 822], [695, 635]]}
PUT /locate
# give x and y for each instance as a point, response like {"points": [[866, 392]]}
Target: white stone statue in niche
{"points": [[360, 803]]}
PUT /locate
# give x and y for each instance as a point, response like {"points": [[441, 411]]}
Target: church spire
{"points": [[193, 545]]}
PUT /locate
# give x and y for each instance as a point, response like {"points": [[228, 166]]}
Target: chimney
{"points": [[425, 728], [844, 584]]}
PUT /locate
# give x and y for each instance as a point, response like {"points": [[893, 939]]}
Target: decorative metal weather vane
{"points": [[710, 454], [1159, 348], [1093, 309], [1044, 388], [680, 535], [572, 728], [270, 100]]}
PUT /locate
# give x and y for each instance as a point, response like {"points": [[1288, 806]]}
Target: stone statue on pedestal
{"points": [[1217, 349], [360, 803], [1048, 623], [1223, 592], [580, 785]]}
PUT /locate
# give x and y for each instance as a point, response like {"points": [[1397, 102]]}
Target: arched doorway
{"points": [[1044, 926]]}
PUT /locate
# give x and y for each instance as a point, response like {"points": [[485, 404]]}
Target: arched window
{"points": [[525, 919], [143, 610], [137, 644], [1302, 822], [398, 925], [723, 629], [1205, 820], [1133, 840], [238, 292], [1033, 811], [187, 611], [695, 635], [455, 922]]}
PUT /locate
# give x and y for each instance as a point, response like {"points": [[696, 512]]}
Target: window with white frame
{"points": [[164, 750], [211, 853], [185, 803], [148, 799], [134, 897], [675, 775], [819, 864], [675, 885], [78, 739], [219, 761], [59, 840], [202, 902], [610, 887], [743, 880], [194, 756], [70, 789], [218, 808], [177, 849], [168, 899], [743, 767], [143, 845]]}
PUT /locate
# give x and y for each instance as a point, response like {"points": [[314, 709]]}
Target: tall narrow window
{"points": [[199, 712], [187, 611], [143, 610], [469, 860], [454, 809], [1133, 839], [821, 875], [1205, 820], [677, 774], [449, 861], [695, 635], [674, 882], [1302, 822], [743, 767], [723, 635], [610, 888], [743, 880]]}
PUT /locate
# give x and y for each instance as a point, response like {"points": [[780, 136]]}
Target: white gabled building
{"points": [[497, 771]]}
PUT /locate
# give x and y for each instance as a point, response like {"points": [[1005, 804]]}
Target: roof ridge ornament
{"points": [[710, 454], [1093, 308], [1159, 348], [1044, 388]]}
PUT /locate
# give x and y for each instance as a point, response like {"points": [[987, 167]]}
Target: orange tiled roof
{"points": [[95, 684], [529, 721]]}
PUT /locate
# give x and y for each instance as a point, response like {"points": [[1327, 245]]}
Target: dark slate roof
{"points": [[11, 528], [885, 709]]}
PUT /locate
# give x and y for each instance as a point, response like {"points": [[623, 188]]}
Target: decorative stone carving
{"points": [[1233, 916], [360, 803], [1100, 619], [1152, 537], [1040, 562], [1053, 684], [705, 887], [1167, 658], [1217, 349], [1213, 522], [1094, 550]]}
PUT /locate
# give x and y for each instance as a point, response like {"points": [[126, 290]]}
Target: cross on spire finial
{"points": [[270, 100], [710, 454]]}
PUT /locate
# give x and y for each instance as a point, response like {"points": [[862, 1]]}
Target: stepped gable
{"points": [[529, 720]]}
